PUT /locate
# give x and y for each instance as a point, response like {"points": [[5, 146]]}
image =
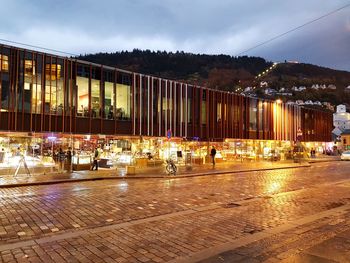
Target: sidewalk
{"points": [[154, 172]]}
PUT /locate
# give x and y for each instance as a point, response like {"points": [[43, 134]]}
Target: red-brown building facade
{"points": [[47, 93]]}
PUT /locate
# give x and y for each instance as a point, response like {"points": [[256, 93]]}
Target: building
{"points": [[345, 140], [50, 102], [341, 118]]}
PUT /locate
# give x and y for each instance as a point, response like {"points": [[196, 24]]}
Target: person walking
{"points": [[95, 162], [212, 154], [69, 160], [61, 157]]}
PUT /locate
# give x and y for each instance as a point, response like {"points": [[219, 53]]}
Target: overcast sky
{"points": [[198, 26]]}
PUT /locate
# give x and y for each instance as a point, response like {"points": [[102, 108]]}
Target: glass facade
{"points": [[55, 94]]}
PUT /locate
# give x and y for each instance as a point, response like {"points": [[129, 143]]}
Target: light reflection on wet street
{"points": [[159, 220]]}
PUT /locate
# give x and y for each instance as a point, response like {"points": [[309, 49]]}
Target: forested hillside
{"points": [[229, 73]]}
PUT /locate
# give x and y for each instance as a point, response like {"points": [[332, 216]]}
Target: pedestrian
{"points": [[61, 157], [95, 162], [212, 154], [69, 160]]}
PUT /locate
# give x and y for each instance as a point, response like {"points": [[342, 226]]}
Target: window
{"points": [[36, 88], [261, 115], [83, 96], [109, 98], [5, 79], [57, 96], [54, 95], [189, 104], [252, 115], [183, 116], [53, 71], [218, 112], [29, 73], [95, 98], [189, 110], [204, 112], [123, 102], [4, 63], [29, 68], [5, 91]]}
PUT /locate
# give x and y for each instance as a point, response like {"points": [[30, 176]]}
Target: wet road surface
{"points": [[293, 215]]}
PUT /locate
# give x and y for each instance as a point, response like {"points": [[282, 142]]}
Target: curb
{"points": [[148, 177], [323, 161]]}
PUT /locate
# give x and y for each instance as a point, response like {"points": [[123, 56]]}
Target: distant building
{"points": [[341, 118], [345, 139]]}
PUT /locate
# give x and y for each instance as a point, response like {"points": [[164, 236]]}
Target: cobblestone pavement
{"points": [[150, 172], [290, 215]]}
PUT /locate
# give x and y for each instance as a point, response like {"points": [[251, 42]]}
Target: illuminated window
{"points": [[4, 63], [109, 100], [253, 115], [218, 112], [53, 72], [83, 96], [29, 68], [123, 102], [95, 98]]}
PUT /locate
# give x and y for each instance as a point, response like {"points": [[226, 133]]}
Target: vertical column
{"points": [[140, 103], [186, 109], [160, 107], [134, 102], [181, 110], [148, 106], [170, 106], [175, 109]]}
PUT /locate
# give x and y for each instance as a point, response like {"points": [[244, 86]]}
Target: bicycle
{"points": [[171, 167]]}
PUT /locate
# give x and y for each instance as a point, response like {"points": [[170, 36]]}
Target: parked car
{"points": [[345, 156]]}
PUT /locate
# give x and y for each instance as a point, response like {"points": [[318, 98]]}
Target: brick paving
{"points": [[161, 220], [7, 179]]}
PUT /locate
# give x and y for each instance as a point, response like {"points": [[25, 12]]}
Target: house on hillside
{"points": [[248, 89], [331, 86], [263, 84], [270, 91], [301, 88]]}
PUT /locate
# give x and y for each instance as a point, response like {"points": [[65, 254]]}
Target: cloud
{"points": [[199, 26]]}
